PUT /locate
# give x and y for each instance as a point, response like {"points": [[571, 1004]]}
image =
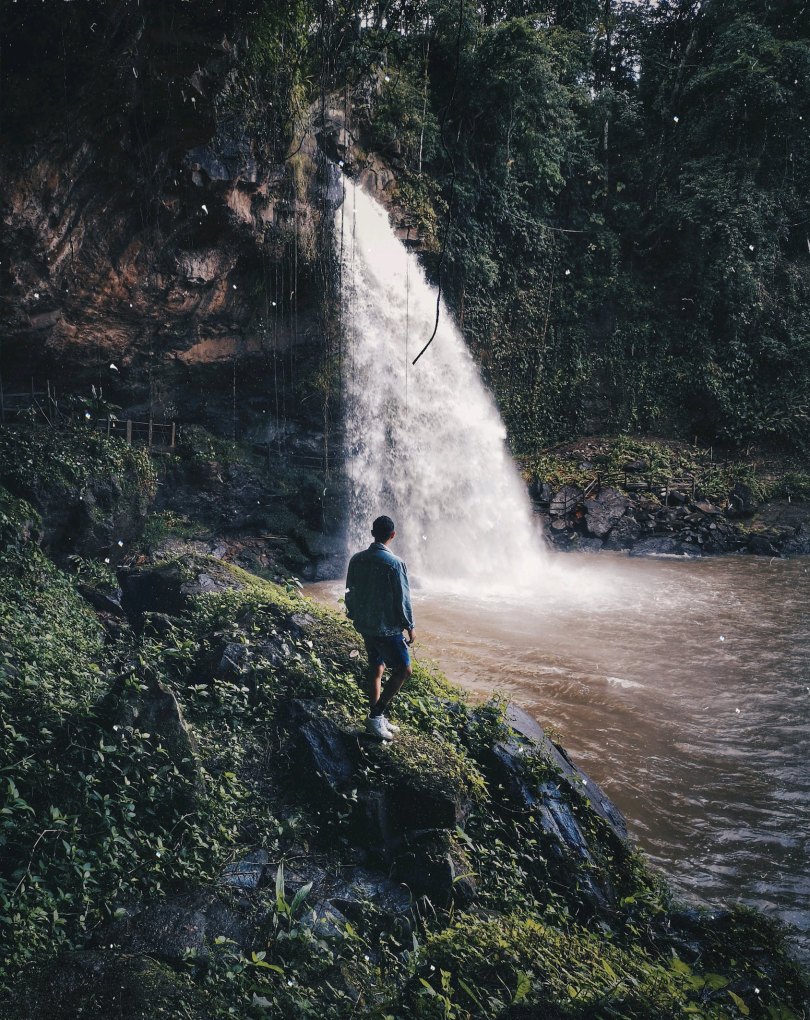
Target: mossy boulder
{"points": [[105, 983], [20, 524], [168, 587], [91, 491]]}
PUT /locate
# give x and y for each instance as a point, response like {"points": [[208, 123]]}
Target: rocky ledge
{"points": [[603, 517]]}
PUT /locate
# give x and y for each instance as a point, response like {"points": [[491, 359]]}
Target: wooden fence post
{"points": [[129, 431], [174, 433], [149, 439]]}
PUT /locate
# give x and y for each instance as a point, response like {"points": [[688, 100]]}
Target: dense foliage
{"points": [[613, 196], [628, 246]]}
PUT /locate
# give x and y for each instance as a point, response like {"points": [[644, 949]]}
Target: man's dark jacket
{"points": [[378, 599]]}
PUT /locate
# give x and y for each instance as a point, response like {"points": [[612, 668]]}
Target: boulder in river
{"points": [[604, 511]]}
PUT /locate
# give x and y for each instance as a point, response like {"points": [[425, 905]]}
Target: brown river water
{"points": [[681, 686]]}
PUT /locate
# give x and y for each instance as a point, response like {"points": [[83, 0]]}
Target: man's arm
{"points": [[402, 593], [349, 597]]}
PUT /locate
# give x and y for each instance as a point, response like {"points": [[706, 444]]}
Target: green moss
{"points": [[36, 460], [168, 524], [423, 761], [654, 464], [116, 807], [199, 446], [19, 521], [478, 966], [793, 484]]}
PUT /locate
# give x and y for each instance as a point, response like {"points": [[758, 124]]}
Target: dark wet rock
{"points": [[565, 501], [624, 533], [524, 792], [541, 492], [415, 807], [583, 543], [664, 546], [707, 508], [20, 524], [327, 754], [604, 511], [375, 823], [103, 601], [797, 544], [742, 499], [637, 466], [168, 587], [276, 650], [154, 709], [677, 498], [247, 873], [184, 926], [760, 545], [300, 624], [339, 892], [225, 660], [165, 931], [105, 983], [579, 782], [546, 797], [429, 865], [89, 519], [326, 189]]}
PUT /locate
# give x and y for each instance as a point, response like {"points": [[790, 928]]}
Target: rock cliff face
{"points": [[156, 242]]}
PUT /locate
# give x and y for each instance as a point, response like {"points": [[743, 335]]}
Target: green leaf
{"points": [[281, 903], [299, 897], [463, 985], [524, 985], [738, 1002], [715, 981], [427, 986], [680, 967]]}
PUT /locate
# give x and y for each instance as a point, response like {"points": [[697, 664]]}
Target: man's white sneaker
{"points": [[391, 726], [376, 727]]}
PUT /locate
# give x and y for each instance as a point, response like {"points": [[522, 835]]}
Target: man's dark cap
{"points": [[383, 527]]}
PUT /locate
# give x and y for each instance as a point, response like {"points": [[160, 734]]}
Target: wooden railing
{"points": [[43, 405]]}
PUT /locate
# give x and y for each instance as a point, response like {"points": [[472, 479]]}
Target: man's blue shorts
{"points": [[387, 651]]}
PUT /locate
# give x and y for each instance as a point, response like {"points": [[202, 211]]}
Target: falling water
{"points": [[424, 442]]}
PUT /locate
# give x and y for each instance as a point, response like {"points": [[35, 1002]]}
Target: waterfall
{"points": [[424, 443]]}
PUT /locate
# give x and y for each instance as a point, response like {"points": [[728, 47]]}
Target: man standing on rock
{"points": [[378, 601]]}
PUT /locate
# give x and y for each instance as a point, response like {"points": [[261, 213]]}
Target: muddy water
{"points": [[681, 686]]}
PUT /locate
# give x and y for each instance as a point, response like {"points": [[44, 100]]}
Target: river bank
{"points": [[679, 685]]}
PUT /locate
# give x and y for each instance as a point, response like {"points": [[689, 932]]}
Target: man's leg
{"points": [[374, 678], [392, 688]]}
